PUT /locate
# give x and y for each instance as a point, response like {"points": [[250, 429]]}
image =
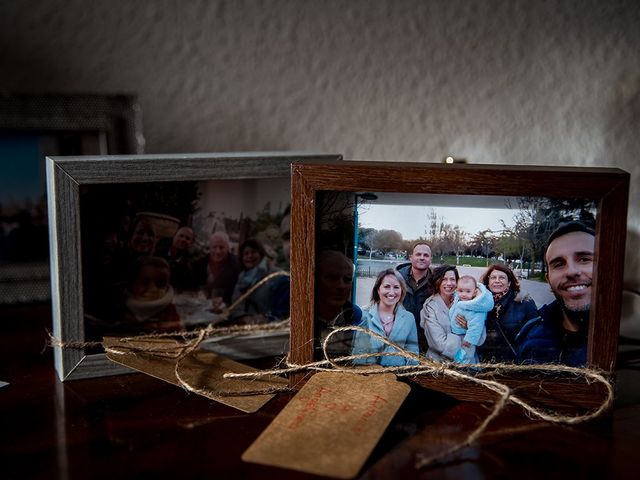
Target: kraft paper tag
{"points": [[332, 424], [200, 369]]}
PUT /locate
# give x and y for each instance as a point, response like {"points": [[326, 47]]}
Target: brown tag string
{"points": [[456, 371]]}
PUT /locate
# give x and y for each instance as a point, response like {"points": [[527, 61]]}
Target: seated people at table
{"points": [[472, 301], [142, 304], [333, 306], [560, 334], [149, 296], [182, 258], [280, 285], [142, 241], [387, 317], [107, 274], [258, 307], [218, 271]]}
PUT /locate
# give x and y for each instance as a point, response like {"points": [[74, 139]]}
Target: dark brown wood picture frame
{"points": [[609, 187]]}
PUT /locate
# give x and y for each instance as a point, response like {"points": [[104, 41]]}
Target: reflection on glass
{"points": [[164, 256]]}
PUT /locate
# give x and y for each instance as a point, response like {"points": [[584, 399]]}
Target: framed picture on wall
{"points": [[165, 243], [541, 246], [31, 128]]}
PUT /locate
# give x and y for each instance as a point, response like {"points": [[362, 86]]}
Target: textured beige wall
{"points": [[520, 82]]}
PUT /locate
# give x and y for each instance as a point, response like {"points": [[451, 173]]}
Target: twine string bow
{"points": [[458, 372], [422, 366], [194, 338]]}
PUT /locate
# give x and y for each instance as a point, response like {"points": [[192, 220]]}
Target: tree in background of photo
{"points": [[444, 238], [386, 241], [537, 217]]}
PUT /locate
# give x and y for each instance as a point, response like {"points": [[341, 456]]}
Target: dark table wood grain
{"points": [[136, 426]]}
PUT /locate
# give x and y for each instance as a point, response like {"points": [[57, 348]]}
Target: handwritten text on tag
{"points": [[331, 426]]}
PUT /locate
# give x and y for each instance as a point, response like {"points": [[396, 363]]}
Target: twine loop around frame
{"points": [[458, 372], [424, 366]]}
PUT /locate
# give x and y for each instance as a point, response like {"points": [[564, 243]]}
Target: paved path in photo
{"points": [[539, 291]]}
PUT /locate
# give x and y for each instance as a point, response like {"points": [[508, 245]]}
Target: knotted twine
{"points": [[455, 371], [194, 338], [191, 341]]}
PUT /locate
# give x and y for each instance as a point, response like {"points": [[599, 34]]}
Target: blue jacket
{"points": [[544, 340], [475, 313], [504, 322], [404, 333], [263, 301]]}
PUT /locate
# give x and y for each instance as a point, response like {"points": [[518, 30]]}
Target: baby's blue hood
{"points": [[482, 303]]}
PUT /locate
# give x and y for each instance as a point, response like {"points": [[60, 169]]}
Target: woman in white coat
{"points": [[387, 317], [434, 317]]}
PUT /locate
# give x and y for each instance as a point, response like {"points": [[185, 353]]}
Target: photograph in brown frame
{"points": [[318, 188]]}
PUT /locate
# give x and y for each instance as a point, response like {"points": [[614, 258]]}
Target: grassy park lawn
{"points": [[467, 261]]}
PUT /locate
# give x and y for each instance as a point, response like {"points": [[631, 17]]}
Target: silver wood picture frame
{"points": [[68, 177]]}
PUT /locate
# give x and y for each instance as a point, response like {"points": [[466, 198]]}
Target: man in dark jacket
{"points": [[182, 259], [417, 275], [560, 334]]}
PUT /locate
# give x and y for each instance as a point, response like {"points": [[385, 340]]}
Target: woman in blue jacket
{"points": [[263, 305], [387, 317]]}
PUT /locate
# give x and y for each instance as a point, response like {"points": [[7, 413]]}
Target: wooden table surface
{"points": [[136, 426]]}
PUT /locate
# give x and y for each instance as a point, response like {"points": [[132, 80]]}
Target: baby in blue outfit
{"points": [[473, 301]]}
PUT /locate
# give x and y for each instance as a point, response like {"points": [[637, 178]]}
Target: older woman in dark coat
{"points": [[263, 304], [512, 309]]}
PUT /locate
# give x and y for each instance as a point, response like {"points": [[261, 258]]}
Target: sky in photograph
{"points": [[411, 219]]}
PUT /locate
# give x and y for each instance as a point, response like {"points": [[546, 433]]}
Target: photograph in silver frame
{"points": [[96, 203]]}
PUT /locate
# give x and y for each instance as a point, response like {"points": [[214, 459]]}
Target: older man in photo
{"points": [[560, 334], [219, 270], [417, 275]]}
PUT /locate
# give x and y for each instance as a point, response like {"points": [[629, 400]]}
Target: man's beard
{"points": [[578, 314]]}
